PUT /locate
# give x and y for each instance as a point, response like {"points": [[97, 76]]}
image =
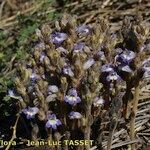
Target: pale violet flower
{"points": [[146, 74], [30, 112], [53, 122], [75, 115], [34, 76], [42, 56], [72, 97], [58, 37], [13, 95], [79, 47], [107, 68], [101, 55], [113, 76]]}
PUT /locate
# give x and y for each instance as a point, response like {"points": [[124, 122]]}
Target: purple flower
{"points": [[34, 77], [147, 74], [41, 45], [146, 68], [67, 70], [75, 115], [13, 95], [113, 76], [84, 30], [78, 47], [126, 56], [88, 63], [72, 98], [98, 101], [30, 112], [58, 37], [101, 55], [146, 62], [107, 68], [53, 122], [42, 56]]}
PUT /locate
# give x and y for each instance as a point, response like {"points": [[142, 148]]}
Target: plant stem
{"points": [[133, 115], [110, 138], [88, 126], [14, 133], [35, 130]]}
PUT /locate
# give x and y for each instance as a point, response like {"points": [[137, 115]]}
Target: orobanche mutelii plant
{"points": [[77, 75]]}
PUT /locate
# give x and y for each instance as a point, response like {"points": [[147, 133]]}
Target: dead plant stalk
{"points": [[133, 115]]}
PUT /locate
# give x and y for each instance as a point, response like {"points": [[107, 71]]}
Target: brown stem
{"points": [[133, 115], [14, 133], [88, 126], [110, 137], [35, 130]]}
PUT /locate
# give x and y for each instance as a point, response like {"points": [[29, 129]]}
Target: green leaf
{"points": [[1, 55]]}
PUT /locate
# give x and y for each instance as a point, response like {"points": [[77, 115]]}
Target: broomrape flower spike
{"points": [[58, 37], [72, 98], [53, 122], [75, 115], [30, 112]]}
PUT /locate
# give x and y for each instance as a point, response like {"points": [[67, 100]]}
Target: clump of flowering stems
{"points": [[79, 73]]}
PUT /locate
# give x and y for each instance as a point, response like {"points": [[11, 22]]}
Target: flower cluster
{"points": [[76, 71]]}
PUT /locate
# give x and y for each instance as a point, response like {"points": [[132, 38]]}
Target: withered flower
{"points": [[98, 101], [84, 30], [88, 63]]}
